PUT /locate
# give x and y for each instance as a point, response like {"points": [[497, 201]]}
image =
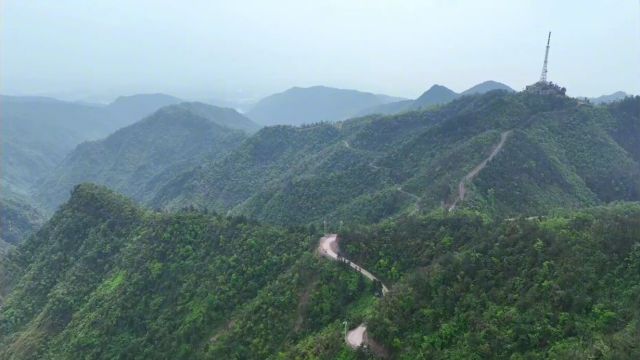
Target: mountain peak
{"points": [[226, 117], [487, 86], [437, 94], [298, 105], [89, 197]]}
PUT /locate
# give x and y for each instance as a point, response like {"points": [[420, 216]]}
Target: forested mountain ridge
{"points": [[139, 159], [561, 153], [104, 278], [435, 95]]}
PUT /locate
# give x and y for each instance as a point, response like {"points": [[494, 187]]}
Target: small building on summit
{"points": [[544, 87]]}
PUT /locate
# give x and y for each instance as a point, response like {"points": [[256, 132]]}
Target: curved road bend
{"points": [[328, 247]]}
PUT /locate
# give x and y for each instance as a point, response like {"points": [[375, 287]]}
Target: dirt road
{"points": [[462, 189], [328, 247]]}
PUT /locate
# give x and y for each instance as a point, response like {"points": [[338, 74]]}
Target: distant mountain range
{"points": [[436, 95], [139, 158], [616, 96], [298, 106], [560, 153], [38, 132]]}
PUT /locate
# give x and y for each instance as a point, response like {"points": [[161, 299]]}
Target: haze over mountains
{"points": [[298, 106], [39, 132], [227, 268], [239, 180], [616, 96]]}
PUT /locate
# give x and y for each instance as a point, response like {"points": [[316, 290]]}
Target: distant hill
{"points": [[436, 95], [487, 86], [139, 158], [220, 115], [298, 106], [126, 110], [616, 96], [38, 132]]}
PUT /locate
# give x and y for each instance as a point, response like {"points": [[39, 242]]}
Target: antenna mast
{"points": [[543, 76]]}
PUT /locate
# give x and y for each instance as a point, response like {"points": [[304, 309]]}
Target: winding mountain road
{"points": [[328, 247], [462, 189]]}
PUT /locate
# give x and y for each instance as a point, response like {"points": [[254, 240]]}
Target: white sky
{"points": [[236, 48]]}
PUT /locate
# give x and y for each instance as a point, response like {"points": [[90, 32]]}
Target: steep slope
{"points": [[17, 220], [260, 160], [140, 158], [298, 106], [103, 275], [560, 153]]}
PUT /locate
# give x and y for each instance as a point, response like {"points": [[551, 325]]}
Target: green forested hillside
{"points": [[465, 287], [559, 153], [229, 269], [139, 159], [106, 279]]}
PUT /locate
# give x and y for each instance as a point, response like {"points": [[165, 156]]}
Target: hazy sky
{"points": [[235, 48]]}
